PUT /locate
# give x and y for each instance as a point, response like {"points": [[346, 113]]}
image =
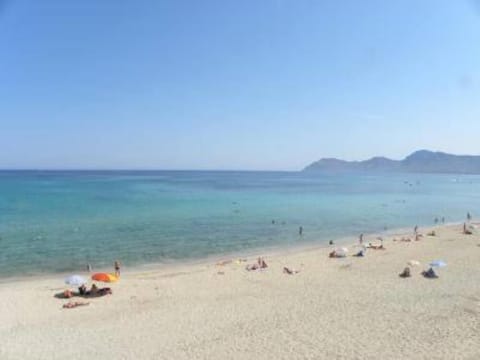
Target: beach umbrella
{"points": [[104, 277], [75, 280], [438, 263], [341, 251]]}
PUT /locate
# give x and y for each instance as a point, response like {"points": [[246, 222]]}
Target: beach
{"points": [[348, 308]]}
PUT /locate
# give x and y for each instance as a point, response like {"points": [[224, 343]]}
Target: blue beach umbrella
{"points": [[75, 280], [438, 263]]}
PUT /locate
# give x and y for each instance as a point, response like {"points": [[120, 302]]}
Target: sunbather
{"points": [[429, 274], [288, 271], [104, 291], [260, 264], [335, 254], [376, 247], [71, 305], [361, 253], [405, 273], [465, 230], [96, 292]]}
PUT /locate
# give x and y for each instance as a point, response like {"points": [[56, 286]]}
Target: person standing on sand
{"points": [[360, 239], [415, 229], [117, 268]]}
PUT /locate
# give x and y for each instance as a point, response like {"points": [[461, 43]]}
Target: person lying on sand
{"points": [[405, 273], [376, 247], [67, 294], [465, 230], [418, 236], [104, 291], [260, 264], [288, 271], [432, 233], [361, 253], [429, 274], [335, 254], [71, 305], [223, 262], [96, 292]]}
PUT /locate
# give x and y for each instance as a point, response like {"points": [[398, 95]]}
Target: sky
{"points": [[223, 84]]}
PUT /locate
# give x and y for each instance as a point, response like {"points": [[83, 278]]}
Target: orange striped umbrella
{"points": [[104, 277]]}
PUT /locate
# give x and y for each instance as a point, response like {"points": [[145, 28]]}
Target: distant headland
{"points": [[422, 161]]}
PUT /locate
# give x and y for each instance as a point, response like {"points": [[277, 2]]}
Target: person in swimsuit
{"points": [[117, 268], [71, 305], [82, 290]]}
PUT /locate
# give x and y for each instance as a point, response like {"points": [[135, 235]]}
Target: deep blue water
{"points": [[60, 221]]}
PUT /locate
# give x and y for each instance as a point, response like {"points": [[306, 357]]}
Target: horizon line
{"points": [[139, 170]]}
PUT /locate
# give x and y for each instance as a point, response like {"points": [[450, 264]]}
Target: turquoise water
{"points": [[60, 221]]}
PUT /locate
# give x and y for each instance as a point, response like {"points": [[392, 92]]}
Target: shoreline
{"points": [[348, 308], [270, 251]]}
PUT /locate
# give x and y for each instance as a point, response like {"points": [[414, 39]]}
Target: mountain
{"points": [[422, 161]]}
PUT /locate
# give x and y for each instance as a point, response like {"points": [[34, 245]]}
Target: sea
{"points": [[60, 221]]}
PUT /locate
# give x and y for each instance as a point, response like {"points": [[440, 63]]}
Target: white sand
{"points": [[353, 308]]}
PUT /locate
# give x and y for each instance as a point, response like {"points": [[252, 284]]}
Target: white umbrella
{"points": [[438, 263], [75, 280], [341, 251]]}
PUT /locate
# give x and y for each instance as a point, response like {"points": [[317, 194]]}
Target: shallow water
{"points": [[60, 221]]}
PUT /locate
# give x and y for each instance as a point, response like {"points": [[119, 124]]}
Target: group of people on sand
{"points": [[94, 291], [83, 292], [341, 252], [406, 273], [260, 264], [428, 274]]}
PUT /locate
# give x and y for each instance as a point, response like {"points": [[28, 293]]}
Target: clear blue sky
{"points": [[250, 84]]}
